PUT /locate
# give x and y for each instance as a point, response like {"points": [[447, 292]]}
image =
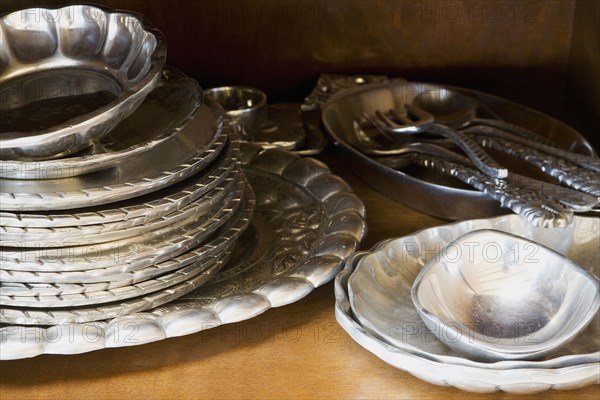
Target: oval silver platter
{"points": [[419, 189], [399, 337], [69, 75], [167, 163], [163, 113], [306, 223], [221, 157]]}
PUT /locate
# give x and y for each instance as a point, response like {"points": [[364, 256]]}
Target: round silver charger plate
{"points": [[167, 163], [163, 113], [306, 222], [419, 188], [70, 74], [392, 330], [221, 156]]}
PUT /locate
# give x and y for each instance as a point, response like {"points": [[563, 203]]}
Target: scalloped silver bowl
{"points": [[494, 296], [69, 75]]}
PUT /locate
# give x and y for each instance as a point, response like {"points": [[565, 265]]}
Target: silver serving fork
{"points": [[412, 120]]}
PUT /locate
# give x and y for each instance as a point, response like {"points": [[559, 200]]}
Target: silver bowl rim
{"points": [[157, 62], [501, 350]]}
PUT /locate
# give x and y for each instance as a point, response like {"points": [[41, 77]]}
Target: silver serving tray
{"points": [[297, 241], [396, 334], [167, 163], [164, 112], [222, 158], [420, 189], [70, 75]]}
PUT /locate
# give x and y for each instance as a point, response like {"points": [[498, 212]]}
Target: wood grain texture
{"points": [[516, 49], [293, 352]]}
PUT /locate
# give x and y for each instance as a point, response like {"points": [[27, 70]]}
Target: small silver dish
{"points": [[69, 75], [493, 296], [245, 106]]}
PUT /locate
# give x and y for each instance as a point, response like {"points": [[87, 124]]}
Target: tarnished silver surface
{"points": [[113, 261], [164, 112], [167, 163], [538, 208], [70, 75], [221, 157], [419, 188], [375, 308], [306, 223], [113, 231], [245, 106], [504, 303]]}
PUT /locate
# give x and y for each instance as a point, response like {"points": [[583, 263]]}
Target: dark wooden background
{"points": [[543, 53]]}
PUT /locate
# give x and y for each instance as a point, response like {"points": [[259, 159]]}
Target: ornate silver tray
{"points": [[420, 188], [223, 153], [167, 163], [164, 112], [397, 335], [69, 75], [305, 224]]}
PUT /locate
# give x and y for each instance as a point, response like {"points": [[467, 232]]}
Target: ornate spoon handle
{"points": [[536, 208], [566, 172], [574, 158]]}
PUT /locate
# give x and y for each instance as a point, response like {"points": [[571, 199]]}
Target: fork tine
{"points": [[400, 116]]}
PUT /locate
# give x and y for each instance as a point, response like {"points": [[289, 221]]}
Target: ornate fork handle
{"points": [[536, 208], [568, 174], [574, 158], [480, 158]]}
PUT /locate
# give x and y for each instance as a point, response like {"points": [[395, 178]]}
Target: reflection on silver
{"points": [[246, 108], [516, 300], [113, 60], [170, 162], [420, 189], [375, 307], [204, 254], [148, 207], [164, 112], [306, 223]]}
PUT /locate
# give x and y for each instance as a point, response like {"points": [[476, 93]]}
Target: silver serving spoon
{"points": [[452, 109]]}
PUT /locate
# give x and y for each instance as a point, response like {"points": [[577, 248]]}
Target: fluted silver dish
{"points": [[374, 305], [306, 222], [163, 113], [69, 75]]}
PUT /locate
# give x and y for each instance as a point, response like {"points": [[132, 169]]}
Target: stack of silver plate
{"points": [[128, 202], [130, 225], [108, 205]]}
